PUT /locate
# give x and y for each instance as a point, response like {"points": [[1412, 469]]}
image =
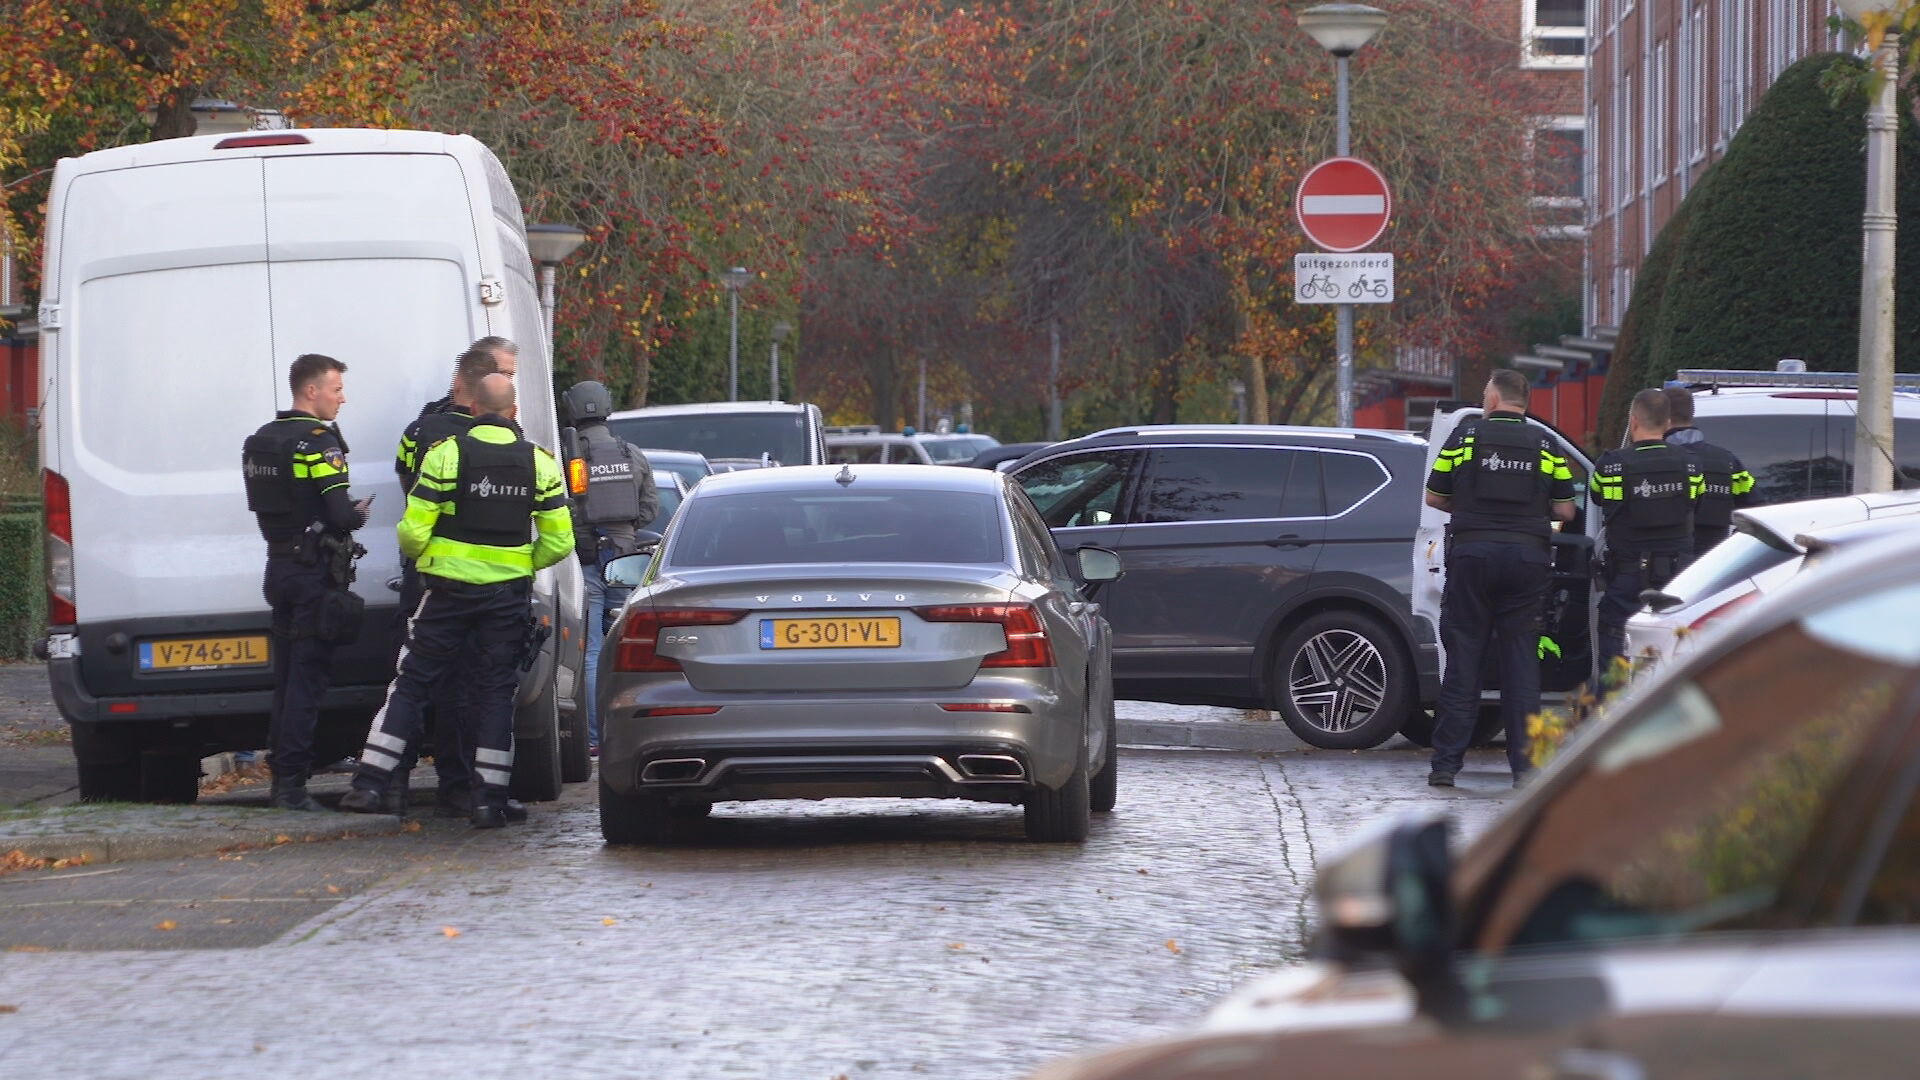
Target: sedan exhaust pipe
{"points": [[673, 770], [991, 767]]}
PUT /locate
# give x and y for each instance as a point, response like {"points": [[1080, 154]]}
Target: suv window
{"points": [[1350, 478], [1078, 489], [1215, 483], [1694, 815], [1806, 456]]}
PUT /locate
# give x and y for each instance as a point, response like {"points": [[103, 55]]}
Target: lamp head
{"points": [[736, 278], [1342, 29], [551, 244]]}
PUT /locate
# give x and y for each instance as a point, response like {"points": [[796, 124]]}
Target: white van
{"points": [[181, 278]]}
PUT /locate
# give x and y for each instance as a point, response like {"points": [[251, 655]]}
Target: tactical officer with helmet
{"points": [[620, 499], [1726, 483], [296, 479], [1648, 492], [481, 496], [1502, 480]]}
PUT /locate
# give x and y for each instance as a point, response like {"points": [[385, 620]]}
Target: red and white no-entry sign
{"points": [[1343, 204]]}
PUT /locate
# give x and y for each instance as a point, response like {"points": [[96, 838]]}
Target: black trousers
{"points": [[452, 761], [301, 663], [471, 634], [1626, 581], [1493, 593]]}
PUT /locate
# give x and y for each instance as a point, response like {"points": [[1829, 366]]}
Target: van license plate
{"points": [[201, 654], [830, 633]]}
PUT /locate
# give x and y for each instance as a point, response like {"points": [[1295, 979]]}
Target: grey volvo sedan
{"points": [[857, 631]]}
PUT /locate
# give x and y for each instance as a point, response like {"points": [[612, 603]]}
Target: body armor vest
{"points": [[493, 498], [1717, 465], [280, 507], [433, 428], [1654, 484], [613, 491], [1504, 476]]}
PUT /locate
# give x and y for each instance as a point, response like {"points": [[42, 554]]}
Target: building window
{"points": [[1623, 143], [1695, 88], [1555, 33], [1559, 159], [1659, 83]]}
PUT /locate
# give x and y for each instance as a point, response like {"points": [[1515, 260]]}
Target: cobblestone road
{"points": [[812, 941]]}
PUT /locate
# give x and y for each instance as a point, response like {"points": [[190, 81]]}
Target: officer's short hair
{"points": [[1511, 385], [493, 395], [495, 341], [1679, 405], [308, 368], [473, 365], [1650, 408]]}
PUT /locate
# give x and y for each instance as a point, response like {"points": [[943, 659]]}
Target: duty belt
{"points": [[295, 548], [1499, 536]]}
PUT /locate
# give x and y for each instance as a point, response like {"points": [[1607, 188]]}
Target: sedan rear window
{"points": [[1734, 559], [763, 527]]}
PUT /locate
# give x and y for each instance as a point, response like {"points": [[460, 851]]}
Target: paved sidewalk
{"points": [[36, 759], [1206, 727], [105, 833]]}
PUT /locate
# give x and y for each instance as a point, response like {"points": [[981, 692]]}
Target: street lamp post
{"points": [[1238, 389], [549, 245], [1342, 29], [1873, 415], [780, 330], [735, 280]]}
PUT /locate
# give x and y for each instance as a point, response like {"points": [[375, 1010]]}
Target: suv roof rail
{"points": [[1252, 429], [1716, 378]]}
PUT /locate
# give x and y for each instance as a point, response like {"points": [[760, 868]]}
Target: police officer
{"points": [[1501, 479], [1727, 483], [480, 496], [1648, 491], [442, 419], [296, 479], [620, 500]]}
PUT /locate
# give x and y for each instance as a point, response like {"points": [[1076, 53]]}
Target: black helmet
{"points": [[586, 401]]}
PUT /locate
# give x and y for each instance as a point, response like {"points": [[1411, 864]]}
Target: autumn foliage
{"points": [[915, 184]]}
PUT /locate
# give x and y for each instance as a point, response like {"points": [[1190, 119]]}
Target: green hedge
{"points": [[22, 592]]}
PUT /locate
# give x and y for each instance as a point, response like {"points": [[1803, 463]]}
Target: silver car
{"points": [[857, 630]]}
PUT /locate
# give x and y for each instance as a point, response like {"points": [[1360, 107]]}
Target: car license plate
{"points": [[200, 654], [883, 633]]}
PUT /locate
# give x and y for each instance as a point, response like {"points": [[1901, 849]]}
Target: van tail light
{"points": [[640, 634], [1725, 609], [57, 504], [1027, 644]]}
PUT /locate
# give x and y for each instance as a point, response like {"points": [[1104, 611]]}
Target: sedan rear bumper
{"points": [[841, 748]]}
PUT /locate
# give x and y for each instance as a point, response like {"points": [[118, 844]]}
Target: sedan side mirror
{"points": [[627, 570], [1389, 896], [1098, 565]]}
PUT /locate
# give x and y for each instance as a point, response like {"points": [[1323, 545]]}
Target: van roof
{"points": [[1767, 401], [318, 141]]}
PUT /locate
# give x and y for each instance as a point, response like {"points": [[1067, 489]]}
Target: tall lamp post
{"points": [[1873, 415], [1342, 29], [550, 245], [780, 330], [735, 280]]}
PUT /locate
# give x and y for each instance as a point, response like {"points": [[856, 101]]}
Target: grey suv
{"points": [[1267, 567]]}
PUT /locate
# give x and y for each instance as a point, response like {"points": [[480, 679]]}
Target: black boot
{"points": [[290, 793], [394, 799], [488, 816], [364, 800]]}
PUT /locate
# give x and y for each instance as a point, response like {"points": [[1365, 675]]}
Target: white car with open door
{"points": [[1567, 631]]}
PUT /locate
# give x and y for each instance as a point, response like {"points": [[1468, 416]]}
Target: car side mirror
{"points": [[1098, 565], [1388, 895], [627, 570]]}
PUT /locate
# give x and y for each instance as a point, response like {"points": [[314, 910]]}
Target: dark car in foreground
{"points": [[1721, 878], [1267, 567], [854, 631]]}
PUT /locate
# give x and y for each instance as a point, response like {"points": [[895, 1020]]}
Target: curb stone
{"points": [[1211, 735], [113, 834]]}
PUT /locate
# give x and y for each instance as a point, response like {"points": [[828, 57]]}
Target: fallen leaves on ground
{"points": [[956, 944], [450, 931], [17, 860], [166, 924], [245, 776], [1173, 947], [9, 1008], [225, 922], [27, 948], [411, 826], [335, 889], [283, 838], [609, 921], [17, 734]]}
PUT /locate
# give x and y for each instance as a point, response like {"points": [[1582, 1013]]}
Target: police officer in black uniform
{"points": [[620, 499], [1502, 479], [471, 521], [296, 479], [1648, 491], [1727, 485]]}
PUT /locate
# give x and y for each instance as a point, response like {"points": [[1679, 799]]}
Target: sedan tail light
{"points": [[1027, 644], [640, 634], [1725, 609], [58, 506]]}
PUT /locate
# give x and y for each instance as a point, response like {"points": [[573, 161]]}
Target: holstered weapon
{"points": [[536, 634]]}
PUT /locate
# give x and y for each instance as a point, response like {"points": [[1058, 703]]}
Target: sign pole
{"points": [[1343, 315]]}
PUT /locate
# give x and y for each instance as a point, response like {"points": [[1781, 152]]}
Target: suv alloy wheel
{"points": [[1341, 681]]}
